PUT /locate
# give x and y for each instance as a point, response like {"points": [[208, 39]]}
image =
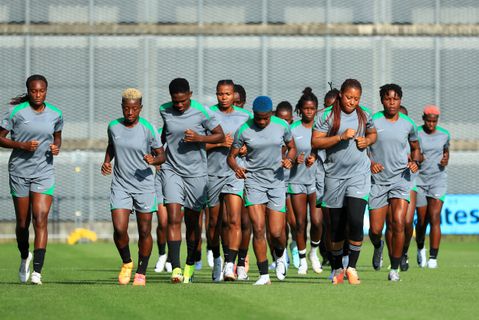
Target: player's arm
{"points": [[10, 144], [57, 143], [416, 157], [226, 143], [288, 161], [445, 157], [216, 136], [231, 160], [157, 159], [109, 155]]}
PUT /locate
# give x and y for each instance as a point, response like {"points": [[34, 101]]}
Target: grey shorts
{"points": [[380, 194], [159, 188], [274, 198], [189, 192], [21, 187], [336, 190], [295, 188], [140, 202], [319, 189], [223, 185], [436, 191]]}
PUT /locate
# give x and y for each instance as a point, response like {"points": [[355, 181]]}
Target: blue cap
{"points": [[262, 104]]}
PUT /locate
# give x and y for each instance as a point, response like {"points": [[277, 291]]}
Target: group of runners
{"points": [[243, 173]]}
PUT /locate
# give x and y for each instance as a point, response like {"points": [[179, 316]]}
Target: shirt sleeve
{"points": [[210, 121], [287, 135], [369, 121], [155, 139], [59, 124], [413, 135], [7, 122], [238, 141], [321, 123]]}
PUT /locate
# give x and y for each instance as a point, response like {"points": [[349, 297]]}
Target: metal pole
{"points": [[200, 46], [264, 65], [146, 78], [437, 71], [91, 74], [28, 42], [264, 12]]}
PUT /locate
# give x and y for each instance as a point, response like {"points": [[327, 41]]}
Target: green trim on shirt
{"points": [[243, 110], [245, 126], [148, 125], [54, 109], [326, 112], [115, 122], [165, 106], [378, 115], [18, 108], [405, 117], [441, 129], [275, 119], [199, 107], [295, 124]]}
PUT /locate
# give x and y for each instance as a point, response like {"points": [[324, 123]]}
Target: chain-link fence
{"points": [[87, 73]]}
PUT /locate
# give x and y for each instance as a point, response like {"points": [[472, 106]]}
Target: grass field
{"points": [[80, 283]]}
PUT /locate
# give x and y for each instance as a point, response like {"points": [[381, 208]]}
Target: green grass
{"points": [[80, 283]]}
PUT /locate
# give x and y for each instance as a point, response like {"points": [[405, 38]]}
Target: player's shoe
{"points": [[36, 278], [263, 280], [188, 273], [315, 263], [139, 280], [176, 276], [24, 270], [210, 258], [168, 267], [404, 264], [242, 274], [378, 257], [272, 266], [293, 247], [228, 272], [281, 268], [198, 265], [353, 277], [338, 276], [303, 266], [421, 258], [393, 276], [432, 263], [125, 273], [160, 264], [217, 274]]}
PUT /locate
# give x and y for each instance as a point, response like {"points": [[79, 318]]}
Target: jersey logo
{"points": [[300, 137], [25, 122], [380, 130]]}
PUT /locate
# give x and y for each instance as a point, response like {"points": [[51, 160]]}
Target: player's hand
{"points": [[310, 160], [243, 151], [412, 165], [191, 136], [361, 143], [240, 173], [54, 149], [348, 134], [228, 140], [31, 145], [148, 158], [287, 163], [444, 161], [300, 158], [106, 168], [376, 167]]}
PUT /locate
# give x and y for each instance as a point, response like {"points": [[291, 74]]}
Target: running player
{"points": [[162, 215], [243, 259], [131, 140], [185, 174], [35, 128], [431, 184], [224, 189], [391, 175], [264, 137], [302, 182], [284, 110], [345, 130]]}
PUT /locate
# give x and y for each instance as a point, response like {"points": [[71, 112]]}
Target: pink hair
{"points": [[432, 109]]}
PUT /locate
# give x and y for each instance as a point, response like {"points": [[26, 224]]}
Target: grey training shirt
{"points": [[432, 147], [263, 160], [24, 125], [300, 173], [344, 160], [187, 159], [230, 122], [131, 173], [391, 147]]}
